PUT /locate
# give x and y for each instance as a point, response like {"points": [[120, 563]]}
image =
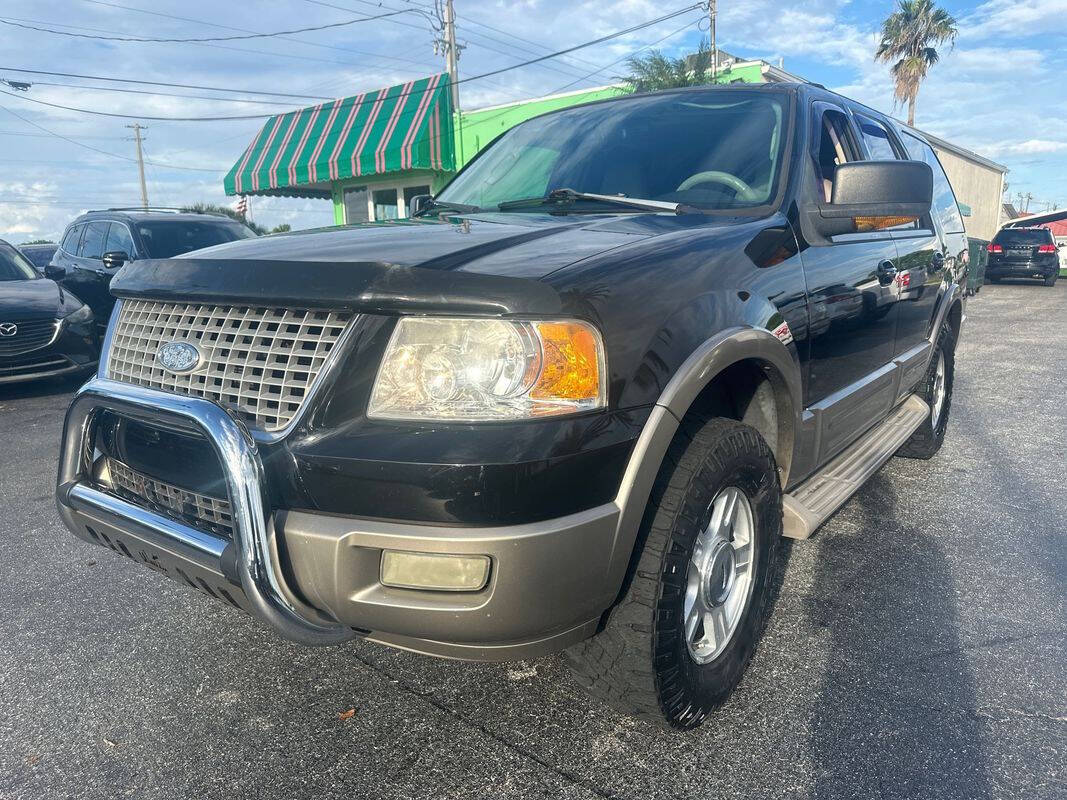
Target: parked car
{"points": [[1023, 253], [577, 413], [96, 244], [40, 255], [44, 330]]}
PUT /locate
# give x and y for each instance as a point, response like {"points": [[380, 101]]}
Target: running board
{"points": [[810, 504]]}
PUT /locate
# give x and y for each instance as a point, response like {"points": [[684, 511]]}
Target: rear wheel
{"points": [[994, 280], [1051, 279], [678, 642], [936, 390]]}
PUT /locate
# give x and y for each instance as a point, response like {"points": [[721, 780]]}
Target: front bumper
{"points": [[71, 351], [314, 577]]}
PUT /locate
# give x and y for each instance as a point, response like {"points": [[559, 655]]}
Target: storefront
{"points": [[372, 152]]}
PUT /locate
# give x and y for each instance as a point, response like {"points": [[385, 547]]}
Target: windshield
{"points": [[713, 150], [166, 239], [14, 266], [1023, 237]]}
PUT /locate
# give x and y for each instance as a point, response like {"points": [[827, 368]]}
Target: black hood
{"points": [[514, 245], [481, 264], [33, 299]]}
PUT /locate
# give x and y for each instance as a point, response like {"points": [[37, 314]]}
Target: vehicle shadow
{"points": [[44, 387], [896, 708]]}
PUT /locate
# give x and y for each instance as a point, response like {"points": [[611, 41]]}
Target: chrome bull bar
{"points": [[251, 559]]}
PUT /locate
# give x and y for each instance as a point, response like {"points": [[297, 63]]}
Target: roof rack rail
{"points": [[158, 210]]}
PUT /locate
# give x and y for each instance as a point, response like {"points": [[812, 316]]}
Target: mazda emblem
{"points": [[8, 328], [178, 357]]}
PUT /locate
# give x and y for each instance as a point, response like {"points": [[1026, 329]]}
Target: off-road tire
{"points": [[1051, 279], [639, 662], [927, 440]]}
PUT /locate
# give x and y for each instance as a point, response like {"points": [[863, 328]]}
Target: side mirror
{"points": [[55, 273], [418, 203], [115, 259], [874, 195]]}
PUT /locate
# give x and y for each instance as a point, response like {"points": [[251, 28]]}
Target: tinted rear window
{"points": [[166, 239], [1029, 238], [40, 256]]}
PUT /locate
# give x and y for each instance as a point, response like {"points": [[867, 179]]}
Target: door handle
{"points": [[886, 272]]}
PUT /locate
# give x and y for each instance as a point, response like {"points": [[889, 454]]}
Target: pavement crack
{"points": [[428, 698]]}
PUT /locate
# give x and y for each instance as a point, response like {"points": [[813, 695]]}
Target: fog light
{"points": [[434, 571]]}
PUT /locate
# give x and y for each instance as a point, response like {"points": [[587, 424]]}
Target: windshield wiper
{"points": [[566, 197], [444, 205]]}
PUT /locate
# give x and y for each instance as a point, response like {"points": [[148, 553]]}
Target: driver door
{"points": [[852, 304]]}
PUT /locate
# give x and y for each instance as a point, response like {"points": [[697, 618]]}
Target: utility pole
{"points": [[712, 10], [137, 127], [1029, 197], [451, 51]]}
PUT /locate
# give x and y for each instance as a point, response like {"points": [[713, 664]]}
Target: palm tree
{"points": [[655, 71], [908, 37]]}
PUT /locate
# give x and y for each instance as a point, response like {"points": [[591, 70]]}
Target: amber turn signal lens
{"points": [[571, 366], [864, 224]]}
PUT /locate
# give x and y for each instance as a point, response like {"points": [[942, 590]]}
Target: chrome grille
{"points": [[260, 362], [198, 510], [30, 334]]}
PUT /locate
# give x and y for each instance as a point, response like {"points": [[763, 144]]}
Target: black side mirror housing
{"points": [[115, 259], [55, 273], [418, 203], [869, 195]]}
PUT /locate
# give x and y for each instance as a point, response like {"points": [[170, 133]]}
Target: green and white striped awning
{"points": [[399, 128]]}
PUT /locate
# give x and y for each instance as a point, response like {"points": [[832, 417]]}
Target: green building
{"points": [[372, 152]]}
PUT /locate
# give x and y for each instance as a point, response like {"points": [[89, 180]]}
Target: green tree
{"points": [[285, 227], [909, 38], [211, 208], [656, 71]]}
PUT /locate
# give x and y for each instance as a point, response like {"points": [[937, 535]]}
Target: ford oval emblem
{"points": [[178, 357]]}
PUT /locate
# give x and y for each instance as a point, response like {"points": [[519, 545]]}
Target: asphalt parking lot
{"points": [[917, 649]]}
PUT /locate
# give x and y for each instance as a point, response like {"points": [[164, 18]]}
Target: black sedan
{"points": [[45, 331]]}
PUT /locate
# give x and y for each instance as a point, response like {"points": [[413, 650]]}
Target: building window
{"points": [[356, 210], [385, 204]]}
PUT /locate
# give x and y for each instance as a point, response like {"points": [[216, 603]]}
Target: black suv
{"points": [[573, 404], [1023, 253], [96, 244]]}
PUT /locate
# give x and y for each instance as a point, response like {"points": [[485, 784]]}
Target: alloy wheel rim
{"points": [[938, 399], [719, 577]]}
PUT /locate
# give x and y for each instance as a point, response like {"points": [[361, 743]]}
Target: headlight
{"points": [[83, 314], [476, 370]]}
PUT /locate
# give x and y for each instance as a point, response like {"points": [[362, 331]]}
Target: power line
{"points": [[135, 116], [202, 39], [161, 83], [97, 149], [159, 94], [246, 30], [453, 82]]}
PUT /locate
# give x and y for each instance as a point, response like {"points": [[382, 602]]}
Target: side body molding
{"points": [[727, 347]]}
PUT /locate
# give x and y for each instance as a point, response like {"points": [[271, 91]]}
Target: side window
{"points": [[876, 137], [119, 240], [837, 145], [945, 206], [93, 241], [70, 240]]}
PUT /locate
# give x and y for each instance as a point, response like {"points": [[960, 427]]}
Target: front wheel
{"points": [[678, 642]]}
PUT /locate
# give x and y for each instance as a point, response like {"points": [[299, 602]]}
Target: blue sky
{"points": [[1000, 91]]}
